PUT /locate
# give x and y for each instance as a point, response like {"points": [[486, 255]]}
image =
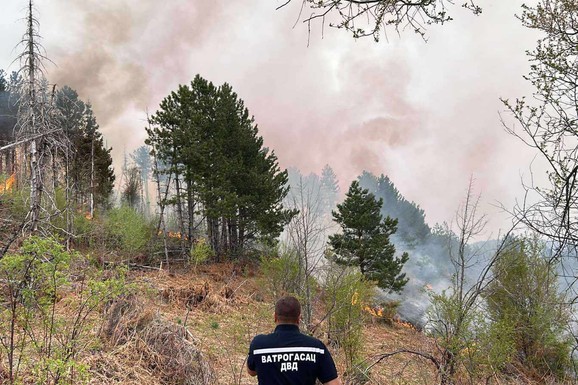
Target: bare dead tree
{"points": [[36, 119], [307, 236], [453, 312], [373, 17]]}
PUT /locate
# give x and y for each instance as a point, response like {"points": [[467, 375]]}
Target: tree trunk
{"points": [[35, 187], [92, 177], [191, 211], [180, 214], [233, 241], [224, 232]]}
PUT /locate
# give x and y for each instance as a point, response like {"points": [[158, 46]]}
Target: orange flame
{"points": [[406, 325], [7, 185], [173, 234], [374, 311]]}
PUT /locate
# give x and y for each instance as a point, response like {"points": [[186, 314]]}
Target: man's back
{"points": [[288, 357]]}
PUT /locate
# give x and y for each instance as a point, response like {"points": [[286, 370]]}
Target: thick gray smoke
{"points": [[430, 270]]}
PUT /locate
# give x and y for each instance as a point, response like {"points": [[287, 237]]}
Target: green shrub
{"points": [[126, 231], [526, 298], [38, 338], [281, 274], [200, 252], [347, 295]]}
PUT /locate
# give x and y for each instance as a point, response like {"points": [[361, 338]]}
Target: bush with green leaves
{"points": [[127, 231], [525, 298], [281, 274], [48, 316], [469, 343], [451, 323], [348, 292], [200, 252]]}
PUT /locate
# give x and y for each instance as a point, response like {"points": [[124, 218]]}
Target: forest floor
{"points": [[222, 307]]}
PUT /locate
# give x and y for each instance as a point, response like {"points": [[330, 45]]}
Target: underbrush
{"points": [[74, 321]]}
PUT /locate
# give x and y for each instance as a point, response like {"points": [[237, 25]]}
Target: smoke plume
{"points": [[423, 113]]}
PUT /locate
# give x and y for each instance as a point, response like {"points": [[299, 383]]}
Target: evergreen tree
{"points": [[3, 81], [411, 218], [364, 240], [329, 188], [131, 191], [8, 110], [211, 141], [90, 162], [142, 159]]}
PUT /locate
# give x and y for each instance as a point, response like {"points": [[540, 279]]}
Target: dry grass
{"points": [[195, 327]]}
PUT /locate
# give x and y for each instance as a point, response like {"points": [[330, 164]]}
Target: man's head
{"points": [[287, 310]]}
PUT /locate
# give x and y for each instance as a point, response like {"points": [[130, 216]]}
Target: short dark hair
{"points": [[288, 309]]}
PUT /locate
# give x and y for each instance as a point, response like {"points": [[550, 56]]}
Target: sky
{"points": [[427, 114]]}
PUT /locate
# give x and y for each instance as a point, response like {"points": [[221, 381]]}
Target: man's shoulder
{"points": [[265, 340]]}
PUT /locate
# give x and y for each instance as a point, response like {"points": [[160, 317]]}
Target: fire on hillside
{"points": [[7, 185]]}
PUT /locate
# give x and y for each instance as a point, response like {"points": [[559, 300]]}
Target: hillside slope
{"points": [[223, 306], [217, 310]]}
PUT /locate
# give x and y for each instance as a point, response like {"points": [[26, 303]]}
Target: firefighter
{"points": [[287, 356]]}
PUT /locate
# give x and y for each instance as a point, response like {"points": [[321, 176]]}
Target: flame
{"points": [[88, 216], [406, 325], [379, 312], [173, 234], [354, 298], [7, 185], [374, 311]]}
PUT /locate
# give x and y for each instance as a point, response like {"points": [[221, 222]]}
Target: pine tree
{"points": [[207, 135], [411, 218], [90, 168], [8, 109], [364, 241], [329, 188], [142, 159]]}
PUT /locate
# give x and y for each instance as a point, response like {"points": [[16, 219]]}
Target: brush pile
{"points": [[146, 347]]}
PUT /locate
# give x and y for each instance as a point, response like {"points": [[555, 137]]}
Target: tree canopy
{"points": [[221, 168], [411, 225]]}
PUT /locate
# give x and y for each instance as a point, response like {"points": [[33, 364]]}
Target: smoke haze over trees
{"points": [[223, 194], [384, 119]]}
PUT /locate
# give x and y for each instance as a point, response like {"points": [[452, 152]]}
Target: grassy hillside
{"points": [[223, 306], [88, 322]]}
